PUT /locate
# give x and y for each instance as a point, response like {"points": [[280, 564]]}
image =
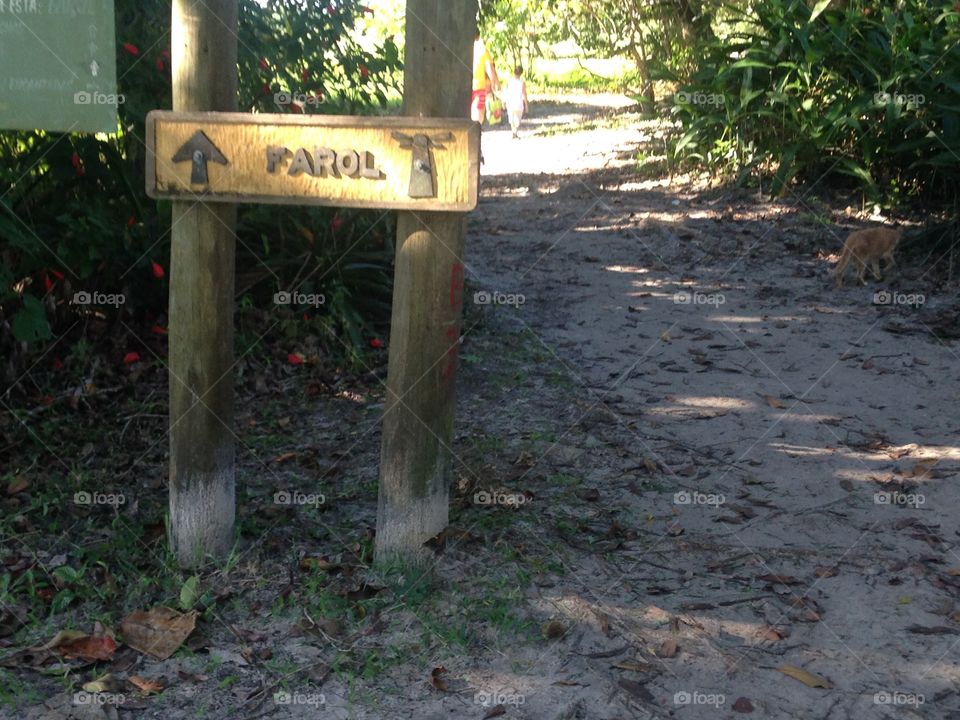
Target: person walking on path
{"points": [[485, 79], [517, 104]]}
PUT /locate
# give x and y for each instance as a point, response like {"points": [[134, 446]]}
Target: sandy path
{"points": [[813, 450]]}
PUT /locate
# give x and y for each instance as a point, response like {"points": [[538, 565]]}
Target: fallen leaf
{"points": [[283, 457], [145, 684], [668, 648], [774, 402], [553, 630], [634, 666], [665, 336], [105, 684], [923, 467], [88, 648], [636, 689], [743, 705], [158, 632], [437, 681], [808, 679], [826, 571], [17, 484], [779, 579], [867, 364], [772, 634], [935, 630]]}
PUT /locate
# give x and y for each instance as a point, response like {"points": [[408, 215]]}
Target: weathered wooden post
{"points": [[204, 63], [415, 464]]}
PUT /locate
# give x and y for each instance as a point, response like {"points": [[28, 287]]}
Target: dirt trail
{"points": [[785, 456]]}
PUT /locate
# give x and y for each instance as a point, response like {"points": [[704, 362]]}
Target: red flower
{"points": [[305, 75], [47, 282], [131, 357], [47, 399], [57, 274], [157, 269], [376, 343], [295, 359], [264, 65], [131, 48], [131, 221], [160, 65], [364, 73], [336, 223], [157, 330], [266, 89], [306, 317], [77, 164], [367, 10], [296, 109], [57, 364]]}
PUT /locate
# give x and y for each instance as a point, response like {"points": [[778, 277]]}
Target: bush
{"points": [[74, 215], [871, 91]]}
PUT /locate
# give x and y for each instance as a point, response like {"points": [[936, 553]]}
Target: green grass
{"points": [[590, 74]]}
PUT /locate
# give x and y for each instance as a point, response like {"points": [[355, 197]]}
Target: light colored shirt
{"points": [[516, 94]]}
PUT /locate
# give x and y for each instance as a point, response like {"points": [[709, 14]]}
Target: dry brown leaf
{"points": [[665, 336], [145, 684], [88, 648], [495, 711], [668, 648], [867, 364], [437, 680], [553, 630], [826, 571], [743, 705], [807, 678], [779, 579], [284, 457], [158, 632], [17, 484], [774, 402], [772, 634], [923, 467], [650, 465], [632, 665]]}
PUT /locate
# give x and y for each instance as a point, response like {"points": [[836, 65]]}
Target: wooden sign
{"points": [[383, 162], [58, 66]]}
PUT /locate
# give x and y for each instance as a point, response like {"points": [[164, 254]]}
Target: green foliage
{"points": [[870, 92], [74, 215]]}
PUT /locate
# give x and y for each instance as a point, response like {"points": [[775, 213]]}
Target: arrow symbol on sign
{"points": [[199, 150]]}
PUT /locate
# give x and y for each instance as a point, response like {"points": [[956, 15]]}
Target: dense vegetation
{"points": [[74, 216]]}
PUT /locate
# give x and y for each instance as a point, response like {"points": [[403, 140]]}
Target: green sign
{"points": [[58, 68]]}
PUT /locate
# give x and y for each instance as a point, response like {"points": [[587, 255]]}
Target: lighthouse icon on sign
{"points": [[423, 176]]}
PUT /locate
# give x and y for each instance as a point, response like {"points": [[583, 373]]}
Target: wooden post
{"points": [[204, 55], [415, 460]]}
